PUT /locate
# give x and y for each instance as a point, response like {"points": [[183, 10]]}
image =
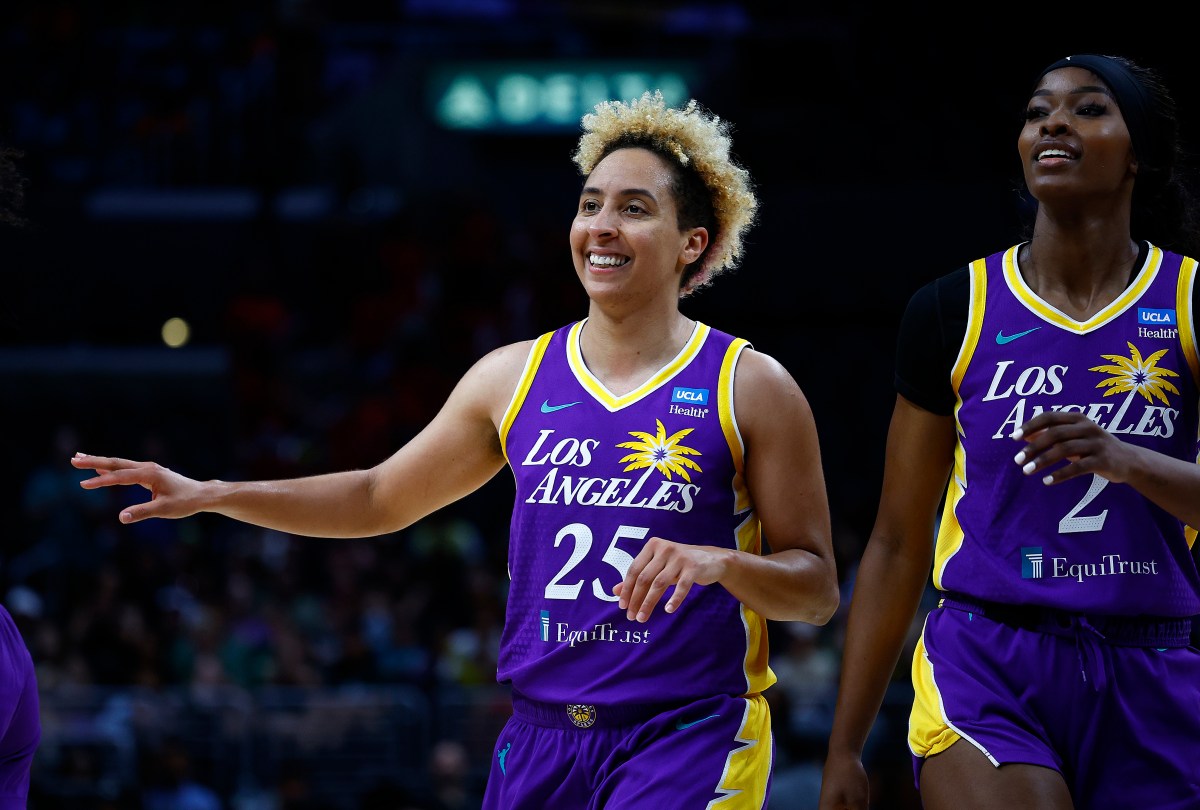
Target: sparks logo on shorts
{"points": [[1157, 317], [545, 631], [692, 396], [582, 715], [1031, 562]]}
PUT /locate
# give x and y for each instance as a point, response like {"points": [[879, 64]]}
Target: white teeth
{"points": [[606, 261], [1053, 153]]}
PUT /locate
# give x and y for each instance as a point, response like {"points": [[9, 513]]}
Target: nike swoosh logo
{"points": [[548, 408], [682, 726], [1002, 338]]}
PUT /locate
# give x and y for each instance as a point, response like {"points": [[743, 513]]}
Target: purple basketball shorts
{"points": [[593, 757], [1113, 705]]}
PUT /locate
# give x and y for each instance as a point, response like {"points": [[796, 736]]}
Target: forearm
{"points": [[333, 505], [887, 592], [1170, 483], [789, 585]]}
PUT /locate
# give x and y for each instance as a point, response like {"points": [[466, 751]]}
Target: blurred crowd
{"points": [[207, 603]]}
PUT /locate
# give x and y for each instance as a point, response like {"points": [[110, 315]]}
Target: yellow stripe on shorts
{"points": [[928, 731]]}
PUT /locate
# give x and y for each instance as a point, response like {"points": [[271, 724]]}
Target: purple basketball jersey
{"points": [[597, 475], [20, 725], [1085, 545]]}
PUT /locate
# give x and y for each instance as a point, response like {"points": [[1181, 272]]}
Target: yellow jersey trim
{"points": [[611, 401], [532, 362]]}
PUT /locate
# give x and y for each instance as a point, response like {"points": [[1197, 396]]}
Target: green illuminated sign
{"points": [[544, 96]]}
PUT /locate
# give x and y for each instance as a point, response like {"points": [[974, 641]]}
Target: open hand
{"points": [[171, 494]]}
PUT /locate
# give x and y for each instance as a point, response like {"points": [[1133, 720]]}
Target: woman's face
{"points": [[1075, 142], [625, 239]]}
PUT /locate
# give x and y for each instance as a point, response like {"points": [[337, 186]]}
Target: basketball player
{"points": [[1053, 385], [669, 493], [20, 726]]}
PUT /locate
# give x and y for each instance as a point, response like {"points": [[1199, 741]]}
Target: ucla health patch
{"points": [[1157, 317], [692, 396]]}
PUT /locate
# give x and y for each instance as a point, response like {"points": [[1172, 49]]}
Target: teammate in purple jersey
{"points": [[20, 724], [670, 495], [1048, 393]]}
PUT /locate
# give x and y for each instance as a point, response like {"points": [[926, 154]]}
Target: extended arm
{"points": [[454, 455]]}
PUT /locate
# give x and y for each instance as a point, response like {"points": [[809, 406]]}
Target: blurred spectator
{"points": [[170, 783], [294, 788], [450, 774], [58, 544]]}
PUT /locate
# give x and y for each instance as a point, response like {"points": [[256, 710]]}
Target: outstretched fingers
{"points": [[110, 471], [168, 491]]}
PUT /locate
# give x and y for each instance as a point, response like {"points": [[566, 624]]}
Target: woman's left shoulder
{"points": [[763, 381]]}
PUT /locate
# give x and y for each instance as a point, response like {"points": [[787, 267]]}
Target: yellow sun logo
{"points": [[660, 451], [1133, 375]]}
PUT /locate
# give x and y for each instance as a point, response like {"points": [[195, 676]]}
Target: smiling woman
{"points": [[1044, 404], [670, 498]]}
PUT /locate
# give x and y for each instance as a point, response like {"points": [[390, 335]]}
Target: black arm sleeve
{"points": [[931, 334]]}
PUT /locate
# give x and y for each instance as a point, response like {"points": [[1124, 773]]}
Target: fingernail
{"points": [[126, 517], [1049, 479], [1018, 433], [642, 617], [1019, 457], [1028, 468]]}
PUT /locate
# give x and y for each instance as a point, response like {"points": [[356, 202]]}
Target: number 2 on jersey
{"points": [[1074, 522]]}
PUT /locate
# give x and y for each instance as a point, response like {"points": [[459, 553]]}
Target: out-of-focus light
{"points": [[175, 332], [511, 96]]}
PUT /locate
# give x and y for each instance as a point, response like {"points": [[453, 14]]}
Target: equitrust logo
{"points": [[1031, 562]]}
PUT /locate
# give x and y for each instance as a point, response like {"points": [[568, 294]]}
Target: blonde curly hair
{"points": [[698, 143]]}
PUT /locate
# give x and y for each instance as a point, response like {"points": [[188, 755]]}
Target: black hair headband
{"points": [[1131, 95]]}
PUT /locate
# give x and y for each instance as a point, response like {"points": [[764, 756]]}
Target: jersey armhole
{"points": [[1185, 299], [532, 362]]}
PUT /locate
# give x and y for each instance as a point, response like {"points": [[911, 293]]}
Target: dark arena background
{"points": [[263, 239]]}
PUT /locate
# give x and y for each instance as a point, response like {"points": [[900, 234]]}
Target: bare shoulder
{"points": [[762, 381], [503, 363], [491, 381], [766, 397]]}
